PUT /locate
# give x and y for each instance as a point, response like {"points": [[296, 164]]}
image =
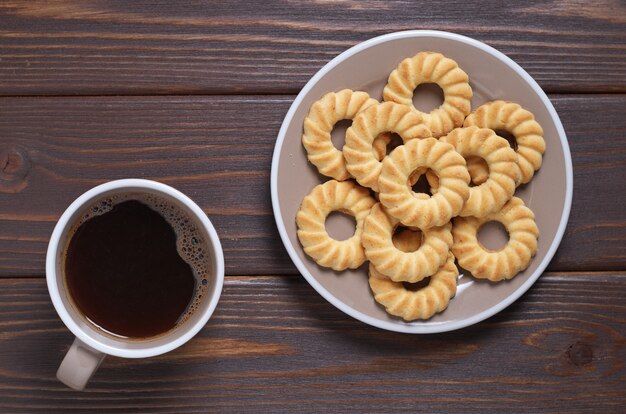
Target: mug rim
{"points": [[55, 291]]}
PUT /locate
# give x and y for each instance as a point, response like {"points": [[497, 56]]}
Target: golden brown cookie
{"points": [[501, 160], [344, 196], [418, 209], [430, 67], [319, 123], [421, 304], [398, 265], [507, 262], [361, 159], [511, 117]]}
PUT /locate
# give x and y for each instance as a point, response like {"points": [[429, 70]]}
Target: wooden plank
{"points": [[274, 345], [596, 233], [118, 47], [218, 151], [215, 150]]}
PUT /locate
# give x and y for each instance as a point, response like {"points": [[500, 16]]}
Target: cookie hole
{"points": [[508, 136], [493, 236], [427, 96], [414, 287], [340, 226], [395, 142], [421, 186], [419, 183], [478, 171], [407, 240], [338, 134]]}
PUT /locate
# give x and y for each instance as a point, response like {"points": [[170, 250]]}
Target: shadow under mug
{"points": [[91, 345]]}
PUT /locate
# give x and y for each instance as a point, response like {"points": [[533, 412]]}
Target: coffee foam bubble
{"points": [[190, 244]]}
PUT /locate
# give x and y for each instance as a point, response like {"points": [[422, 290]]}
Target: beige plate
{"points": [[492, 76]]}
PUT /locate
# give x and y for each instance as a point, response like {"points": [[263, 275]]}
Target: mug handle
{"points": [[79, 365]]}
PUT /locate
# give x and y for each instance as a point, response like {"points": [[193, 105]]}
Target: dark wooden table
{"points": [[192, 94]]}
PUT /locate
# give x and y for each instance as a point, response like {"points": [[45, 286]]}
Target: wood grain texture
{"points": [[65, 47], [595, 237], [218, 151], [274, 345]]}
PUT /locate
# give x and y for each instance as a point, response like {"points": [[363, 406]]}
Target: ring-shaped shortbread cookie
{"points": [[319, 123], [501, 160], [431, 67], [361, 159], [507, 262], [398, 265], [511, 117], [418, 209], [421, 304], [344, 196]]}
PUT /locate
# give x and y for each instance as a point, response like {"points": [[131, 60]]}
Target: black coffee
{"points": [[124, 270]]}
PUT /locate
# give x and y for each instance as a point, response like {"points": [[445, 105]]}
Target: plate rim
{"points": [[401, 326]]}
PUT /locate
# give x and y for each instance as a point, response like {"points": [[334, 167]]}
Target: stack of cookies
{"points": [[412, 239]]}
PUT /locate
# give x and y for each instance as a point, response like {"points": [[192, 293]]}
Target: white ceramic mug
{"points": [[91, 345]]}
